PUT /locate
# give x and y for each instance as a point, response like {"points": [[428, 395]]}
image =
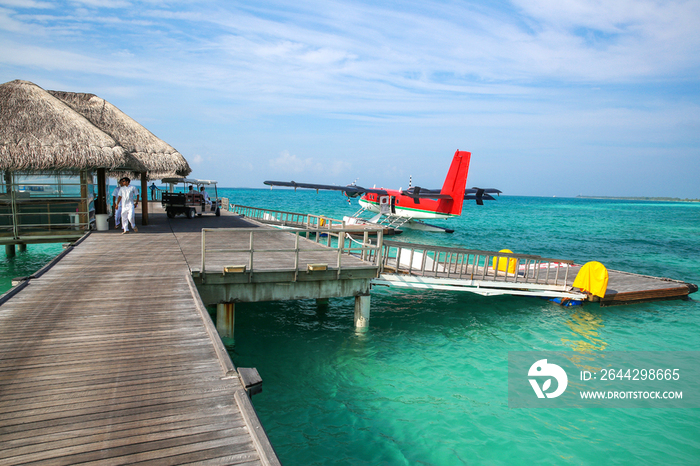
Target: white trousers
{"points": [[118, 215], [128, 216]]}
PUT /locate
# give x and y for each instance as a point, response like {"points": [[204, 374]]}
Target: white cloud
{"points": [[26, 4], [338, 167], [288, 163], [103, 3], [197, 159]]}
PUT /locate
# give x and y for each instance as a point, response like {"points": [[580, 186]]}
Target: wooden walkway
{"points": [[110, 358]]}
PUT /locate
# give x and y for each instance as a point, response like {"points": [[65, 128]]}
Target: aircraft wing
{"points": [[478, 194], [350, 189], [422, 193], [481, 194]]}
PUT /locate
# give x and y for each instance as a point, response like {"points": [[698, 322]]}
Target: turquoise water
{"points": [[26, 262], [427, 384]]}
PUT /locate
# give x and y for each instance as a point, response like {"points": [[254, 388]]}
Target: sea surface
{"points": [[427, 383]]}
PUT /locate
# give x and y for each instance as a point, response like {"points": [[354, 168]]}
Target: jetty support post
{"points": [[144, 198], [10, 250], [22, 247], [101, 204], [83, 210], [362, 312], [225, 321]]}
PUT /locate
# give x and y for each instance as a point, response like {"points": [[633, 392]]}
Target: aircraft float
{"points": [[398, 208]]}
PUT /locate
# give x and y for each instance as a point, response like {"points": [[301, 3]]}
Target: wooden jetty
{"points": [[250, 262], [110, 357]]}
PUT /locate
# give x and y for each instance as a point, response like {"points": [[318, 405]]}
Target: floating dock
{"points": [[491, 273]]}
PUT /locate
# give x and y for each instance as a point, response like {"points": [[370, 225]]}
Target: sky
{"points": [[551, 97]]}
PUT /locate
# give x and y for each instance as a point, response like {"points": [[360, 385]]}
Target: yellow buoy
{"points": [[593, 278], [504, 263]]}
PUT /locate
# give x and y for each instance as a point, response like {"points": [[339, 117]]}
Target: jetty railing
{"points": [[38, 206], [241, 244], [469, 264], [156, 193], [287, 219]]}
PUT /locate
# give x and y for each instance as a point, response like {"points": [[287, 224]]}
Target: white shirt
{"points": [[128, 195], [115, 193]]}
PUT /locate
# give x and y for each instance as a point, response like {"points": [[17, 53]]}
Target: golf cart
{"points": [[189, 200]]}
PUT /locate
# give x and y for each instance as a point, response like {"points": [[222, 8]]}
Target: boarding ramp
{"points": [[488, 273]]}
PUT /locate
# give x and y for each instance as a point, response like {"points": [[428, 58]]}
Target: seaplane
{"points": [[408, 208]]}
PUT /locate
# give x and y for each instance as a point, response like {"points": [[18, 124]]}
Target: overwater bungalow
{"points": [[57, 152]]}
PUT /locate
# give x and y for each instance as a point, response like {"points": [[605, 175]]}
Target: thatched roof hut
{"points": [[39, 132], [158, 157]]}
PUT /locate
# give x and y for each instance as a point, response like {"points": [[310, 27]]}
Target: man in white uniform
{"points": [[129, 199], [117, 207]]}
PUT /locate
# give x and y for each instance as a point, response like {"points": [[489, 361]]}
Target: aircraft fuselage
{"points": [[407, 207]]}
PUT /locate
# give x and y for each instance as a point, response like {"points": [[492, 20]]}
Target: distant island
{"points": [[663, 199]]}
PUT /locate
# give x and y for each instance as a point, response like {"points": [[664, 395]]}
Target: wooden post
{"points": [[225, 319], [101, 203], [13, 201], [10, 250], [83, 214], [144, 198], [362, 312], [22, 247]]}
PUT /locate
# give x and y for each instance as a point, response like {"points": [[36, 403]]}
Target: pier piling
{"points": [[362, 304], [225, 320]]}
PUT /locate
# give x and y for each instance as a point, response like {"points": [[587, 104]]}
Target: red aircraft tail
{"points": [[455, 184]]}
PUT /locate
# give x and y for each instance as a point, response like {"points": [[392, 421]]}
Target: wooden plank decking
{"points": [[109, 358], [189, 236]]}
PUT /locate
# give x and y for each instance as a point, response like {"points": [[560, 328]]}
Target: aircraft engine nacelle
{"points": [[351, 194]]}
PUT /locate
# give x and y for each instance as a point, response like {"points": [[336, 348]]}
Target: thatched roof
{"points": [[159, 158], [40, 132]]}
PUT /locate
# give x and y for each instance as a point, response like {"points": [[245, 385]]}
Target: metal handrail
{"points": [[368, 252], [284, 218], [56, 219], [457, 263], [32, 199], [156, 193]]}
